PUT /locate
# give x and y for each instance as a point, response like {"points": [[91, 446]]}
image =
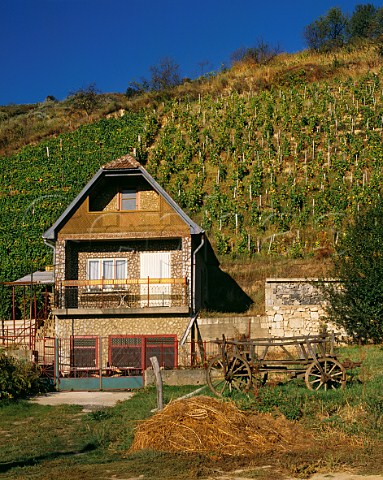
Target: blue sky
{"points": [[54, 47]]}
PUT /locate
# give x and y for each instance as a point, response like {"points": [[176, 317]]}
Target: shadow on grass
{"points": [[28, 462]]}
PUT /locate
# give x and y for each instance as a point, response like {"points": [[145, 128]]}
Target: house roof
{"points": [[39, 278], [126, 165], [125, 162]]}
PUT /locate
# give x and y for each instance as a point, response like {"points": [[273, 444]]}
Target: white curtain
{"points": [[121, 269], [94, 269], [107, 269]]}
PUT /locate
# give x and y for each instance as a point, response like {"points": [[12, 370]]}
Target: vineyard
{"points": [[267, 170]]}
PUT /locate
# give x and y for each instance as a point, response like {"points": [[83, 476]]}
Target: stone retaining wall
{"points": [[293, 306], [233, 327]]}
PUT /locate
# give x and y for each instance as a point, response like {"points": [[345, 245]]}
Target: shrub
{"points": [[19, 378], [357, 306]]}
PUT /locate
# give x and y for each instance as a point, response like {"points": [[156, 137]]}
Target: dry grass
{"points": [[251, 275], [208, 426], [32, 123]]}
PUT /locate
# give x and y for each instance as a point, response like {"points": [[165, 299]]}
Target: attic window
{"points": [[128, 200]]}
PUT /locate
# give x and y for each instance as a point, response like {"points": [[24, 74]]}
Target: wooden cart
{"points": [[242, 363]]}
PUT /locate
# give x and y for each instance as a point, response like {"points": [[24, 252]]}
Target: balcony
{"points": [[117, 297]]}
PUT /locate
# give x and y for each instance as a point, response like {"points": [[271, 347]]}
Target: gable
{"points": [[126, 202], [103, 212]]}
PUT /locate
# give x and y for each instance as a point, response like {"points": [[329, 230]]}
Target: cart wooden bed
{"points": [[241, 363]]}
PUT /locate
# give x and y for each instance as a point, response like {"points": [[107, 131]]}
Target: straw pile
{"points": [[209, 426]]}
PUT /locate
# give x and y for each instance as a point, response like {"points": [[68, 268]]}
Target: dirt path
{"points": [[266, 473], [89, 400]]}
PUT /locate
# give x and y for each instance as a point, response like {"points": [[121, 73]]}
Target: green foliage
{"points": [[366, 22], [222, 243], [86, 99], [357, 303], [328, 32], [19, 378], [336, 29]]}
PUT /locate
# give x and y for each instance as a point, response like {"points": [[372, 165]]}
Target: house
{"points": [[130, 275]]}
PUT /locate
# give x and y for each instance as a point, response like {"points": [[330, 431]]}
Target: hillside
{"points": [[270, 160]]}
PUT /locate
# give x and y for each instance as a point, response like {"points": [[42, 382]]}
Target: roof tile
{"points": [[127, 161]]}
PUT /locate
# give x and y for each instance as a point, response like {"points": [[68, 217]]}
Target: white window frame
{"points": [[130, 196], [116, 273]]}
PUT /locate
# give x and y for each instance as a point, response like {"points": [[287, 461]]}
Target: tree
{"points": [[356, 302], [361, 24], [328, 32], [165, 75], [85, 99], [262, 53], [315, 35], [137, 88]]}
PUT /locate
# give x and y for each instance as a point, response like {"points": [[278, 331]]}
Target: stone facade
{"points": [[66, 328], [72, 258], [75, 259], [149, 200], [145, 325]]}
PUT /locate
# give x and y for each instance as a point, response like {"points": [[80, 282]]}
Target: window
{"points": [[135, 351], [107, 269], [84, 352], [164, 348], [128, 200], [125, 351]]}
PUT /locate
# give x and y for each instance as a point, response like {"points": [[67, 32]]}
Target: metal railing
{"points": [[128, 293], [18, 337]]}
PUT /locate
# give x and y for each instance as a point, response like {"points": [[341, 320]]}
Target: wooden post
{"points": [[157, 374]]}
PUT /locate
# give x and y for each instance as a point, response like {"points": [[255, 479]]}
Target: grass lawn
{"points": [[46, 442]]}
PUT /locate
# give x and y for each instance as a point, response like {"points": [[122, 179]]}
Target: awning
{"points": [[35, 278]]}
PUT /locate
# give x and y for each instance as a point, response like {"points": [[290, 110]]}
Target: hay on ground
{"points": [[209, 426]]}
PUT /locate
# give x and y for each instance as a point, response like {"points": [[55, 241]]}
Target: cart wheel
{"points": [[47, 370], [329, 374], [236, 375]]}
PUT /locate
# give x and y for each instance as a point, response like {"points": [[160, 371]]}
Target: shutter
{"points": [[155, 265]]}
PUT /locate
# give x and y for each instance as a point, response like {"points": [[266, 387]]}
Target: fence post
{"points": [[57, 368], [157, 374]]}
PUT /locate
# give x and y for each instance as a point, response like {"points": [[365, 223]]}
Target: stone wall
{"points": [[294, 306], [233, 327]]}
